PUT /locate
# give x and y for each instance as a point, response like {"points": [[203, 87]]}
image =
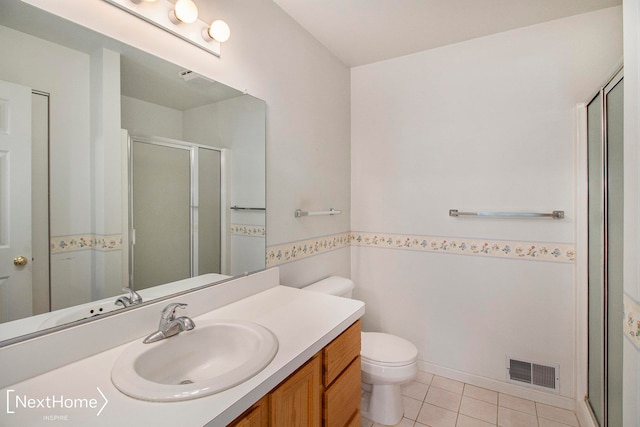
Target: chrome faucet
{"points": [[169, 324], [126, 301]]}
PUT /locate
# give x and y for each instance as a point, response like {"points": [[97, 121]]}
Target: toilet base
{"points": [[382, 404]]}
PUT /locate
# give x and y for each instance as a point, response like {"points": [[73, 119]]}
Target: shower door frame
{"points": [[617, 77], [193, 197]]}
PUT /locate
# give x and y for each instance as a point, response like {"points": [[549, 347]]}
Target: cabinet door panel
{"points": [[256, 416], [356, 420], [296, 402]]}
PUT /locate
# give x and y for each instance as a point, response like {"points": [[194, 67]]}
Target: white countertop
{"points": [[304, 322]]}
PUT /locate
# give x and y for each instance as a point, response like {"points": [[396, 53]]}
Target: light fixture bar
{"points": [[157, 13]]}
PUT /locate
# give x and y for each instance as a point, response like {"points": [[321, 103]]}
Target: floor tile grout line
{"points": [[497, 405]]}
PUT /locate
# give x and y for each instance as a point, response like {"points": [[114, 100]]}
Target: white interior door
{"points": [[15, 201]]}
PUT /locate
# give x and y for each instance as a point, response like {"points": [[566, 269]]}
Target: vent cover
{"points": [[533, 374]]}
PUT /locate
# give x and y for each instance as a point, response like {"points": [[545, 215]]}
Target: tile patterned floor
{"points": [[433, 401]]}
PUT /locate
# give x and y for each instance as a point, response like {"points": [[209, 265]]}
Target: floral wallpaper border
{"points": [[279, 254], [248, 230], [79, 242], [632, 320], [82, 242], [287, 252], [538, 251], [532, 251]]}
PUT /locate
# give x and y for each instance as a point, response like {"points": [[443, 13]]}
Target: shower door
{"points": [[175, 211], [605, 255]]}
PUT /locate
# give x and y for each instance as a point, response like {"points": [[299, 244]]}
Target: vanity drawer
{"points": [[342, 399], [340, 353]]}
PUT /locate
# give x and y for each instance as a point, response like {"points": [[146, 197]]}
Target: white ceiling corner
{"points": [[360, 32]]}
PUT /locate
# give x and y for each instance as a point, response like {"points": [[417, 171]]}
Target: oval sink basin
{"points": [[215, 356]]}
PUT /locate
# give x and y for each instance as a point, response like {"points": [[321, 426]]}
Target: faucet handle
{"points": [[169, 325], [169, 312], [131, 299], [134, 297]]}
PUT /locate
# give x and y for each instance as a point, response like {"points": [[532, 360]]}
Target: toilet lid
{"points": [[387, 350]]}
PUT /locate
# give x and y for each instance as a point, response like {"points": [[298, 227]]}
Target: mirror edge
{"points": [[58, 328]]}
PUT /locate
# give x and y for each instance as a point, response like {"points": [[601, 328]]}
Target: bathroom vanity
{"points": [[317, 359], [325, 391]]}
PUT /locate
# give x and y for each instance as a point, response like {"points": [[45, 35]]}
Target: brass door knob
{"points": [[20, 261]]}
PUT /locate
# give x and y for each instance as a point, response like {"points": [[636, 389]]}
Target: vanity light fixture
{"points": [[179, 19], [218, 31], [185, 11]]}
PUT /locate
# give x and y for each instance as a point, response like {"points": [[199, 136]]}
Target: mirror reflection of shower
{"points": [[178, 215], [182, 216]]}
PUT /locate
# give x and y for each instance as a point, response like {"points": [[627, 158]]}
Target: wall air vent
{"points": [[533, 374]]}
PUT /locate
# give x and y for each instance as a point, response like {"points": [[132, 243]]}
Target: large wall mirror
{"points": [[117, 169]]}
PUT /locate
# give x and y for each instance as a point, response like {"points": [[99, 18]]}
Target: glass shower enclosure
{"points": [[605, 254]]}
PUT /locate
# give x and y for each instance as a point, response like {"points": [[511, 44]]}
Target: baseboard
{"points": [[583, 412], [500, 386]]}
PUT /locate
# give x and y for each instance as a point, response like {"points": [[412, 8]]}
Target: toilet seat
{"points": [[387, 350]]}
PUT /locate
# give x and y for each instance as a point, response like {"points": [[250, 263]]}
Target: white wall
{"points": [[145, 118], [486, 124], [46, 67], [107, 198], [240, 124], [241, 127]]}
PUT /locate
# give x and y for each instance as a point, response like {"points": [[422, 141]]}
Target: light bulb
{"points": [[218, 31], [184, 11]]}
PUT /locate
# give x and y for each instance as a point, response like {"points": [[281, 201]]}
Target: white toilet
{"points": [[387, 362]]}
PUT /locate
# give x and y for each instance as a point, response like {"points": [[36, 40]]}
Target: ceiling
{"points": [[360, 32]]}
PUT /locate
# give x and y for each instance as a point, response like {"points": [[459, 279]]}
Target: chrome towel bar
{"points": [[299, 213], [552, 215], [238, 208]]}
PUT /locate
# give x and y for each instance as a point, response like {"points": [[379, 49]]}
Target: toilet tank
{"points": [[334, 285]]}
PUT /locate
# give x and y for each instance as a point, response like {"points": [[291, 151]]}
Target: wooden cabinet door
{"points": [[256, 416], [296, 402]]}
